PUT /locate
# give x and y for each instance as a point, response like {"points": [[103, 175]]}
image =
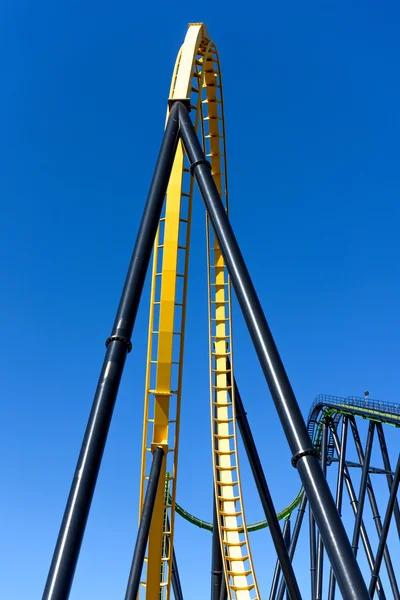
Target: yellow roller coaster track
{"points": [[196, 79]]}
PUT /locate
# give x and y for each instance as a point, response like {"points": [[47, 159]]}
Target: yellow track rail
{"points": [[196, 79]]}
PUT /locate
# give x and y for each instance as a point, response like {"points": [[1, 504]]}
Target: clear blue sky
{"points": [[313, 129]]}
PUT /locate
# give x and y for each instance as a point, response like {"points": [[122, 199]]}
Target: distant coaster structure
{"points": [[193, 150]]}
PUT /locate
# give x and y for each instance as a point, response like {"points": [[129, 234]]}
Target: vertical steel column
{"points": [[339, 494], [353, 502], [286, 537], [277, 572], [320, 546], [144, 527], [375, 512], [176, 581], [224, 594], [217, 569], [334, 536], [293, 541], [385, 530], [386, 462], [313, 552], [72, 529], [363, 485], [263, 490]]}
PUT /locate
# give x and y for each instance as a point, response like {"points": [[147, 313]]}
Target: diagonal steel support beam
{"points": [[363, 484], [144, 527], [389, 476], [118, 345], [385, 530], [313, 552], [332, 530], [339, 493], [175, 579], [320, 546], [277, 572], [263, 489], [374, 505], [294, 540], [353, 503]]}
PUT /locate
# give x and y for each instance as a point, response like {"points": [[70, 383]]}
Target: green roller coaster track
{"points": [[323, 406]]}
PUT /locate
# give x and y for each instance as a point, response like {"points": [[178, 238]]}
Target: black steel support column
{"points": [[363, 486], [277, 572], [389, 477], [263, 490], [353, 502], [339, 494], [375, 511], [176, 581], [217, 568], [293, 541], [313, 552], [334, 536], [144, 527], [286, 537], [385, 530], [320, 545], [72, 529], [224, 594]]}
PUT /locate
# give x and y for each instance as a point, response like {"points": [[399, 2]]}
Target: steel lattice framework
{"points": [[193, 150]]}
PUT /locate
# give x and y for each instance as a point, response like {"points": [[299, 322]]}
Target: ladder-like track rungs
{"points": [[239, 559], [230, 514], [231, 499], [234, 544], [240, 588], [229, 483]]}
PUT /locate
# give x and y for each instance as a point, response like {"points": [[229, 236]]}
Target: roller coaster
{"points": [[193, 150]]}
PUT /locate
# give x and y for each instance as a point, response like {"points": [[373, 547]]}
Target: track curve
{"points": [[324, 405], [197, 82]]}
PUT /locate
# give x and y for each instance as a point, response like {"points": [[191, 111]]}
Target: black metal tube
{"points": [[286, 537], [262, 487], [339, 495], [217, 569], [363, 486], [374, 470], [73, 525], [294, 540], [389, 477], [353, 503], [313, 552], [320, 546], [277, 572], [332, 530], [385, 530], [144, 527], [375, 511], [224, 594], [176, 581]]}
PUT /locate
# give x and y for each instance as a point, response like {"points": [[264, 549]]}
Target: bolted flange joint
{"points": [[119, 338], [303, 453]]}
